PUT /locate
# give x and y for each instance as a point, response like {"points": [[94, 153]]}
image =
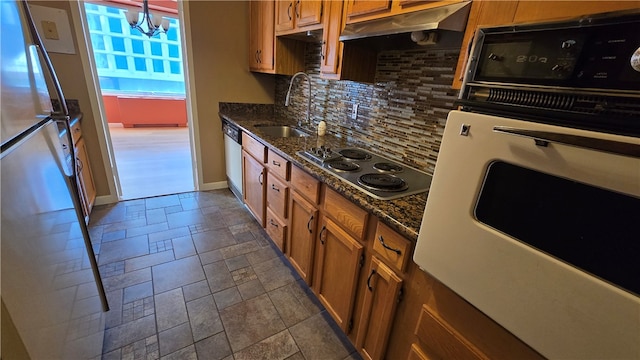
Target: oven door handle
{"points": [[543, 138]]}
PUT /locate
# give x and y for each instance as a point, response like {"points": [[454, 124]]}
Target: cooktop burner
{"points": [[387, 167], [375, 175], [340, 165], [354, 154], [379, 181]]}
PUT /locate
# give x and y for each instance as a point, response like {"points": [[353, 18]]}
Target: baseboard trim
{"points": [[214, 186], [105, 199], [110, 199]]}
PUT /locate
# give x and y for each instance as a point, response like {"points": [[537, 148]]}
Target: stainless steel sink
{"points": [[281, 131]]}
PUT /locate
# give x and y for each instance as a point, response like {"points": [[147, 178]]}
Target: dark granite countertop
{"points": [[403, 214]]}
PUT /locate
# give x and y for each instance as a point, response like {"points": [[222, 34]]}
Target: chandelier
{"points": [[154, 24]]}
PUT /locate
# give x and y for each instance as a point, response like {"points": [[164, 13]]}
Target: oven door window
{"points": [[588, 227]]}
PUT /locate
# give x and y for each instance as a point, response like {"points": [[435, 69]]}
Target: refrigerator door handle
{"points": [[75, 194]]}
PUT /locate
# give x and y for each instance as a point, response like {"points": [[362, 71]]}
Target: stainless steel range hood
{"points": [[449, 17]]}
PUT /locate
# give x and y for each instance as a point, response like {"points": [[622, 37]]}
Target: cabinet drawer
{"points": [[76, 131], [254, 147], [391, 247], [276, 229], [351, 217], [305, 184], [278, 165], [277, 196], [443, 339]]}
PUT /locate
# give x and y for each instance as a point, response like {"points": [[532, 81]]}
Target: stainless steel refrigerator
{"points": [[53, 304]]}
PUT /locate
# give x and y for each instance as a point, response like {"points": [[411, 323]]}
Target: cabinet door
{"points": [[368, 7], [301, 244], [261, 35], [379, 307], [530, 11], [85, 178], [331, 45], [339, 260], [308, 12], [285, 13], [253, 186]]}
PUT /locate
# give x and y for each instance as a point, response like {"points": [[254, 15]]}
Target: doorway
{"points": [[142, 85]]}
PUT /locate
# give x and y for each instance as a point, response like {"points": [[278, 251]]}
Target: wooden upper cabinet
{"points": [[331, 45], [297, 15], [364, 10], [309, 13], [261, 35], [340, 61], [367, 7], [529, 11], [284, 15], [495, 13]]}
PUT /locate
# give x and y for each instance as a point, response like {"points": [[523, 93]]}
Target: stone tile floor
{"points": [[193, 276]]}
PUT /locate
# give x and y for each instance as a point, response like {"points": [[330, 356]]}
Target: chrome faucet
{"points": [[287, 99]]}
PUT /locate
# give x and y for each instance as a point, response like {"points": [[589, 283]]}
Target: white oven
{"points": [[533, 215]]}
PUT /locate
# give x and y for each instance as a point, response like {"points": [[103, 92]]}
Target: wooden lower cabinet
{"points": [[276, 228], [391, 310], [381, 297], [254, 186], [415, 353], [300, 248], [85, 179], [340, 257]]}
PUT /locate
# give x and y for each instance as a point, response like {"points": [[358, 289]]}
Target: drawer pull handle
{"points": [[309, 224], [276, 163], [273, 187], [289, 11], [273, 223], [260, 178], [373, 271], [397, 251], [322, 231]]}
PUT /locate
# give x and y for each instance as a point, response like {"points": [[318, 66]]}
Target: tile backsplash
{"points": [[402, 115]]}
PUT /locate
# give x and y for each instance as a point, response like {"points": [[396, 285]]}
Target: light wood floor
{"points": [[152, 161]]}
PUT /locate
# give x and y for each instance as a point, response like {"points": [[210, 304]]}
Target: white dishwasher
{"points": [[233, 156]]}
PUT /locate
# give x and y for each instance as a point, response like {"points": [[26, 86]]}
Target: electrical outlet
{"points": [[354, 111]]}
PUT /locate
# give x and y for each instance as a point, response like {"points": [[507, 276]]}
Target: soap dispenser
{"points": [[322, 128]]}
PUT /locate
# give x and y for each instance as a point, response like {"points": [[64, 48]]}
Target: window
{"points": [[131, 63]]}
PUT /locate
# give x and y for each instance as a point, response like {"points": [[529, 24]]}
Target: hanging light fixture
{"points": [[154, 24]]}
